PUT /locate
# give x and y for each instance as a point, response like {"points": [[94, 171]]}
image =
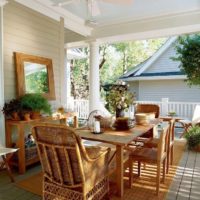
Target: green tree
{"points": [[188, 53], [115, 60]]}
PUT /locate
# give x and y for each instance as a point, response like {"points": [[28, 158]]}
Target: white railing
{"points": [[81, 107], [182, 109]]}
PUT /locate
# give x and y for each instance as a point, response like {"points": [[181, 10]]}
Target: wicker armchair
{"points": [[70, 171], [148, 108]]}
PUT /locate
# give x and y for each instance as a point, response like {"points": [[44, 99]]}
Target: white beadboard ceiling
{"points": [[137, 9]]}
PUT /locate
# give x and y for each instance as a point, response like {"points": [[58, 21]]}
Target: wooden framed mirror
{"points": [[34, 75]]}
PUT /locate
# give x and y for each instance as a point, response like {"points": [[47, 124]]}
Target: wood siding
{"points": [[164, 63], [175, 90], [30, 32]]}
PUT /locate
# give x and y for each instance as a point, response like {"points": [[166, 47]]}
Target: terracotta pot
{"points": [[197, 148], [27, 117], [35, 115], [15, 116]]}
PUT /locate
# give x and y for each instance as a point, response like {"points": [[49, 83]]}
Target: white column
{"points": [[2, 120], [63, 66], [94, 81]]}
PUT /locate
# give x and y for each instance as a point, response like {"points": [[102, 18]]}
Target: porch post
{"points": [[63, 66], [94, 83], [2, 120]]}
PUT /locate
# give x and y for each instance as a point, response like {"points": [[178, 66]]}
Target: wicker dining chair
{"points": [[70, 172], [155, 156], [148, 108]]}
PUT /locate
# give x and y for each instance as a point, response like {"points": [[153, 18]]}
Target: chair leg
{"points": [[139, 168], [158, 178], [172, 155], [130, 172], [107, 196], [168, 160], [164, 170]]}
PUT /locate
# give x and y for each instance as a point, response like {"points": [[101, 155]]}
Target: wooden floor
{"points": [[186, 184]]}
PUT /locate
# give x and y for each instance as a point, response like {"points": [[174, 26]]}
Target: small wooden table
{"points": [[3, 153], [120, 139]]}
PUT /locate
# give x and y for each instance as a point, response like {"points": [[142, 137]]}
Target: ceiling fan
{"points": [[93, 9]]}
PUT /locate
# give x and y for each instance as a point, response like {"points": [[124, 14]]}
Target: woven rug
{"points": [[143, 187]]}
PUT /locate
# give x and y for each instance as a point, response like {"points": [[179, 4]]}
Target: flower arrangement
{"points": [[119, 98]]}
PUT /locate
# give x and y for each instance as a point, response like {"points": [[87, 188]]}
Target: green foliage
{"points": [[37, 82], [193, 137], [35, 102], [118, 58], [13, 105], [188, 53], [119, 98]]}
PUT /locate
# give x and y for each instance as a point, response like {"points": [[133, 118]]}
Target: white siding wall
{"points": [[134, 88], [164, 63], [29, 32], [175, 90]]}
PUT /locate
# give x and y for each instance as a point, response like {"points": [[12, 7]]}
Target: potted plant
{"points": [[12, 109], [119, 99], [36, 103], [193, 138]]}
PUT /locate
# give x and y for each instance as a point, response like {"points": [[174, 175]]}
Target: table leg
{"points": [[8, 168], [120, 170]]}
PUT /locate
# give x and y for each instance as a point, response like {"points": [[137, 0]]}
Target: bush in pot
{"points": [[12, 109], [36, 103], [193, 138]]}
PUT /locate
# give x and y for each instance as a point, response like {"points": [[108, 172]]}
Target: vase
{"points": [[119, 112]]}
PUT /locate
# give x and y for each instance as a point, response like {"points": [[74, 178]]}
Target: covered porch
{"points": [[50, 30]]}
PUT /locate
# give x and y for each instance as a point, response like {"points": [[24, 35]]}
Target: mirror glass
{"points": [[36, 78], [34, 75]]}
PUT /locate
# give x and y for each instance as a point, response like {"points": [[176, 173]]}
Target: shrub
{"points": [[35, 102], [193, 137]]}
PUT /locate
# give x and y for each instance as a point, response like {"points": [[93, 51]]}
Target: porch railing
{"points": [[182, 109], [81, 107]]}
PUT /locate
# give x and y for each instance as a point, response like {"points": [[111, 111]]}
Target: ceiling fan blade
{"points": [[127, 2], [93, 8]]}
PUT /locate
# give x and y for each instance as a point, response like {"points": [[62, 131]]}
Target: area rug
{"points": [[32, 184], [142, 188]]}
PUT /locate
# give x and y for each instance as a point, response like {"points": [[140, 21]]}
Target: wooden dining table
{"points": [[120, 139]]}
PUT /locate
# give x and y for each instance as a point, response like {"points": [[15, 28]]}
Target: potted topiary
{"points": [[193, 138], [36, 103], [12, 109]]}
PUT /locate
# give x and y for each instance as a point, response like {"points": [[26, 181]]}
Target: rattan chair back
{"points": [[60, 152], [148, 108]]}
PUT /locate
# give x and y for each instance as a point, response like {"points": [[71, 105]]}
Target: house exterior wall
{"points": [[164, 63], [175, 90], [30, 32], [134, 88]]}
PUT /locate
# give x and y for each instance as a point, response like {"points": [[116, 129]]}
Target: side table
{"points": [[3, 153]]}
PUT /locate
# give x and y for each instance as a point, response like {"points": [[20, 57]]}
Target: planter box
{"points": [[197, 148]]}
